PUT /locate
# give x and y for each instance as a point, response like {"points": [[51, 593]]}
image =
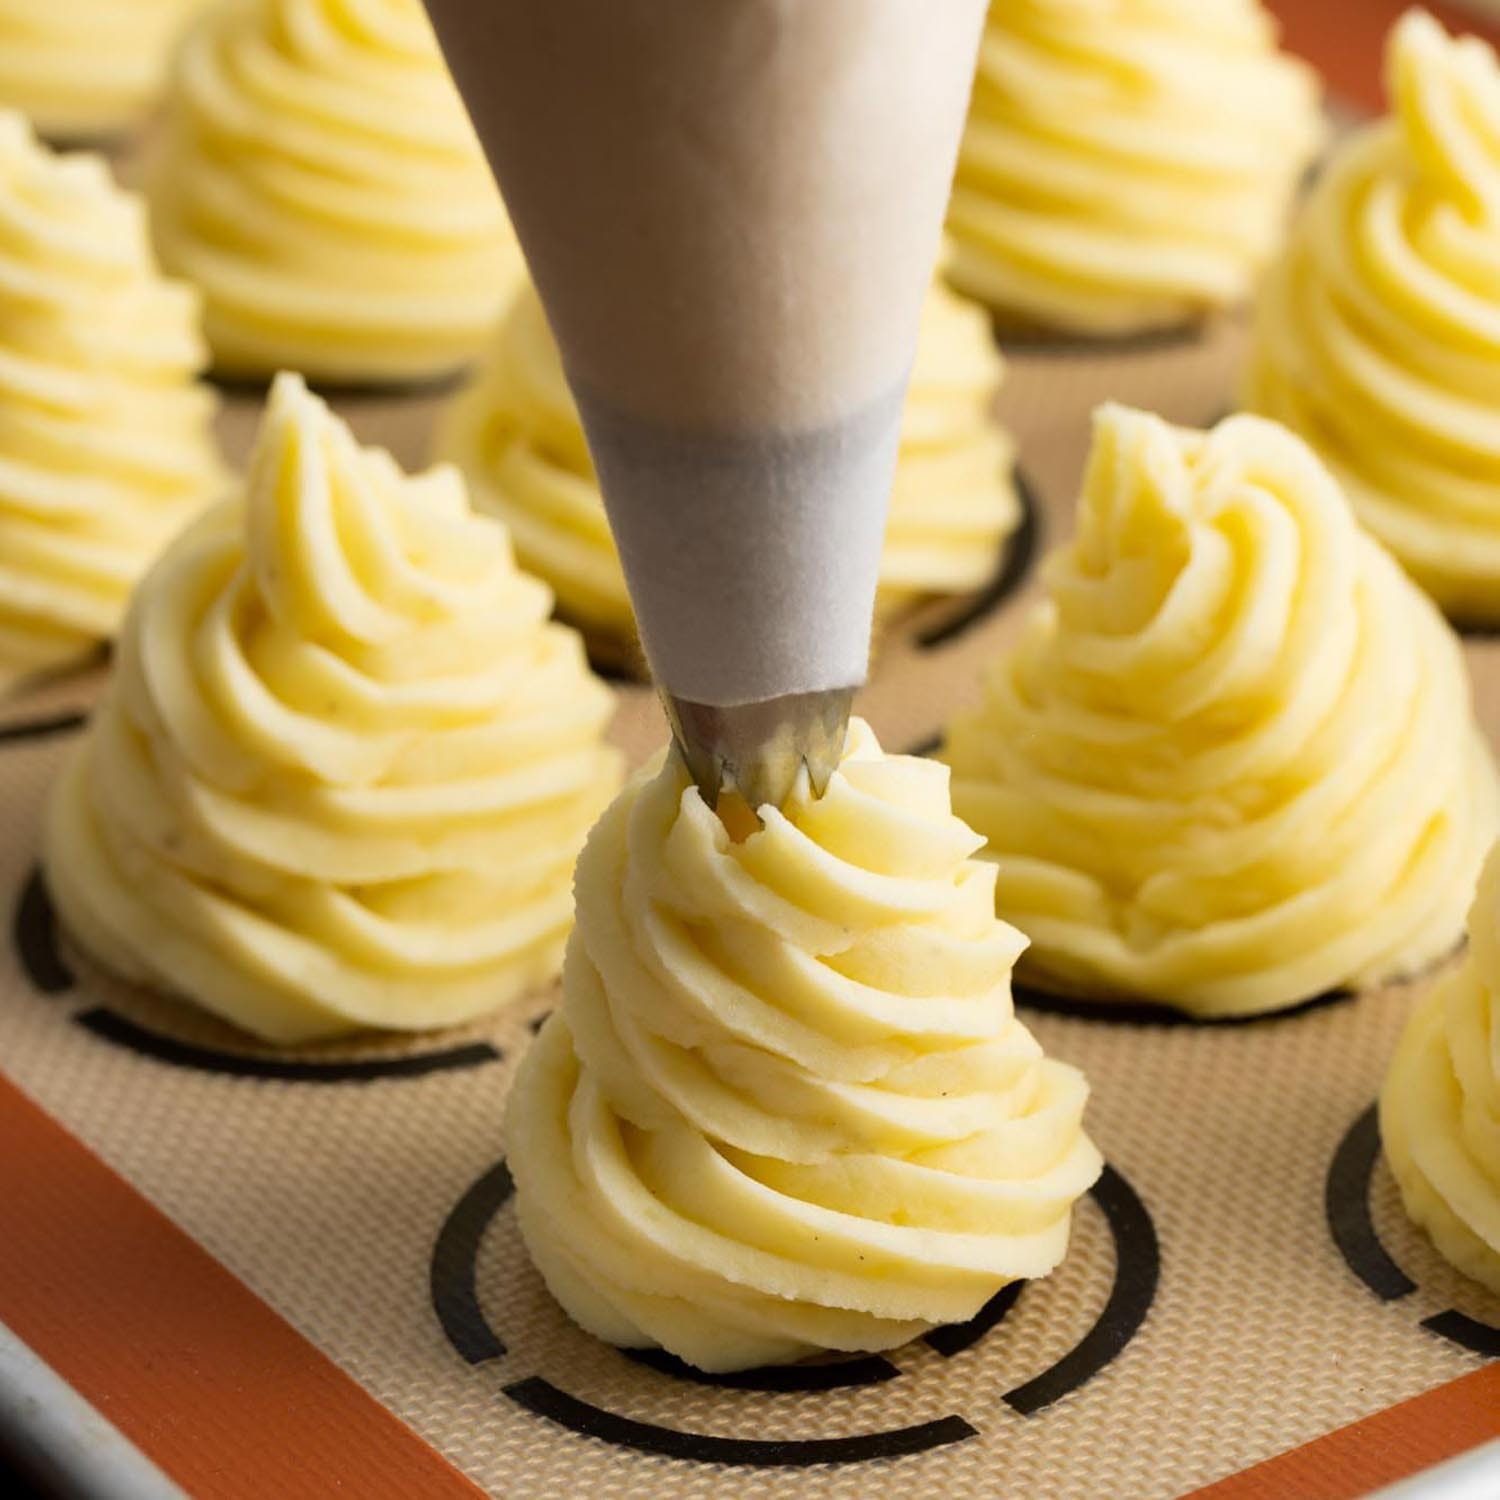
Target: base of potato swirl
{"points": [[786, 1105], [1232, 762], [1440, 1108]]}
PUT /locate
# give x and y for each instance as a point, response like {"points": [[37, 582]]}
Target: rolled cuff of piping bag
{"points": [[751, 559]]}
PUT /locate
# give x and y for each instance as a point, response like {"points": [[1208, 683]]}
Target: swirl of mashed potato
{"points": [[1378, 333], [320, 181], [344, 765], [106, 438], [1440, 1109], [85, 68], [516, 434], [786, 1105], [1232, 762], [1127, 164]]}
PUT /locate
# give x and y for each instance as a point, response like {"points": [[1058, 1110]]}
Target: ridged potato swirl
{"points": [[106, 440], [1232, 761], [320, 181], [1440, 1109], [85, 68], [1127, 164], [1378, 334], [516, 435], [1440, 1106], [344, 765], [786, 1105]]}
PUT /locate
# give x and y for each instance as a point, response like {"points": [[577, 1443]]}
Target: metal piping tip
{"points": [[761, 747]]}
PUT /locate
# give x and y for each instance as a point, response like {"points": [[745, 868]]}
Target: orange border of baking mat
{"points": [[201, 1375], [232, 1402], [1345, 39], [1393, 1444]]}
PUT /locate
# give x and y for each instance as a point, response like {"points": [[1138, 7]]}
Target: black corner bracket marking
{"points": [[39, 953], [453, 1285], [1346, 1200], [52, 726], [1018, 553], [1149, 1013]]}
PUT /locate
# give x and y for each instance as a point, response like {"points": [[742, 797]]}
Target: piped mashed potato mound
{"points": [[1440, 1110], [1378, 334], [1232, 761], [345, 763], [516, 434], [1127, 164], [319, 179], [106, 437], [79, 69], [786, 1105]]}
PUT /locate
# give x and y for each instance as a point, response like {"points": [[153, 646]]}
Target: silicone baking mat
{"points": [[1241, 1279], [262, 1260]]}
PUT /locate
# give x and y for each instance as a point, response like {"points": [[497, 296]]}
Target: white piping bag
{"points": [[731, 209]]}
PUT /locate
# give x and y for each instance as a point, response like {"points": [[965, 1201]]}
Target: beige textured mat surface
{"points": [[1206, 1318]]}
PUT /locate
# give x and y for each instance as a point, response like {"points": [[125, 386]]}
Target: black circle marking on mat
{"points": [[123, 1032], [1468, 1333], [455, 1267], [606, 661], [1057, 344], [1020, 552], [453, 1285], [254, 388], [834, 1376], [1475, 629], [1137, 1273], [33, 932], [1146, 1013], [545, 1400], [1346, 1199], [25, 731], [34, 936], [954, 1338]]}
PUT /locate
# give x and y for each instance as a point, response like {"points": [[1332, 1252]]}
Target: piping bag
{"points": [[731, 209]]}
